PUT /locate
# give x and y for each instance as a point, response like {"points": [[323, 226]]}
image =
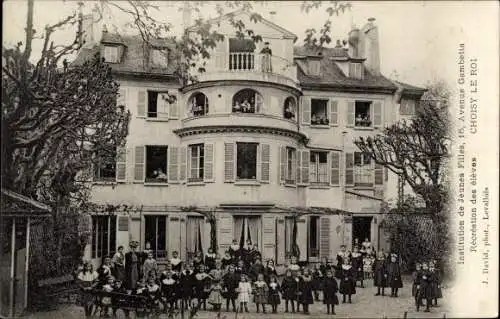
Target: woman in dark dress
{"points": [[119, 264], [330, 288], [380, 273], [306, 291], [394, 275], [289, 287], [133, 262], [357, 265], [347, 283]]}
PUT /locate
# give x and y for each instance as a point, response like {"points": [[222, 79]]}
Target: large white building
{"points": [[253, 138]]}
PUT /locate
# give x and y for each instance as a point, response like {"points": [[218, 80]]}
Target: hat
{"points": [[134, 244], [266, 42]]}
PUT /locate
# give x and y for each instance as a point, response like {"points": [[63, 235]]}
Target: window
{"points": [[241, 54], [247, 101], [291, 161], [158, 57], [103, 236], [319, 110], [407, 107], [105, 170], [197, 162], [313, 236], [159, 104], [289, 225], [363, 170], [318, 169], [156, 164], [356, 70], [155, 229], [198, 104], [111, 54], [290, 108], [362, 113], [314, 67], [246, 161], [195, 230]]}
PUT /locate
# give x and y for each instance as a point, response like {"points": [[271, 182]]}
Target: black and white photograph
{"points": [[249, 159]]}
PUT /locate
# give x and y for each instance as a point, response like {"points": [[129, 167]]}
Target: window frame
{"points": [[293, 113], [100, 179], [156, 236], [326, 121], [237, 177], [291, 162], [255, 109], [200, 163], [361, 122], [157, 52], [205, 106], [315, 170], [316, 250], [364, 170], [114, 54], [153, 180], [97, 240]]}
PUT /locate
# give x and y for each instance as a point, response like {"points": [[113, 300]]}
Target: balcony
{"points": [[250, 66]]}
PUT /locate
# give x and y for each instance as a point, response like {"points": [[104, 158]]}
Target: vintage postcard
{"points": [[240, 159]]}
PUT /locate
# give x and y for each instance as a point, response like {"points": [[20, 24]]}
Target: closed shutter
{"points": [[265, 150], [174, 106], [379, 174], [139, 164], [121, 165], [280, 240], [228, 162], [162, 106], [294, 167], [349, 169], [225, 227], [282, 164], [259, 103], [268, 236], [351, 109], [335, 169], [173, 164], [304, 170], [306, 110], [174, 235], [324, 237], [208, 164], [141, 103], [183, 159], [121, 99], [302, 238], [377, 114], [334, 112], [298, 167]]}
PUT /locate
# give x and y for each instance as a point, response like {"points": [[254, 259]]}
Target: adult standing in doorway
{"points": [[133, 262]]}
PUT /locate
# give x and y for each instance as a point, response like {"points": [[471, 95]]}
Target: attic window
{"points": [[158, 57], [314, 67], [356, 70], [111, 54]]}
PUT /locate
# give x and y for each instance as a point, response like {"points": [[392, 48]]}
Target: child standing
{"points": [[425, 288], [367, 266], [244, 292], [317, 280], [150, 266], [202, 286], [176, 262], [260, 292], [306, 291], [186, 284], [226, 260], [274, 293], [436, 283], [347, 283], [357, 265], [289, 289], [153, 292], [330, 289], [380, 273], [417, 277], [394, 276], [106, 300], [169, 287], [230, 286], [215, 297]]}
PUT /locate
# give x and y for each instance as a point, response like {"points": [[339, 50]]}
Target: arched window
{"points": [[198, 104], [290, 108], [247, 101]]}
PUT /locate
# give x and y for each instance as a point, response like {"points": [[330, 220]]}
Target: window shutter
{"points": [[183, 164], [141, 103], [268, 237], [121, 166], [208, 164], [225, 229], [139, 164], [351, 107], [283, 163], [265, 150], [334, 112], [379, 174], [302, 238], [188, 163], [298, 167], [162, 106], [280, 241], [121, 98], [304, 171], [294, 167], [258, 103], [324, 237], [349, 169], [229, 162], [174, 106], [335, 169], [377, 114], [306, 110], [173, 164]]}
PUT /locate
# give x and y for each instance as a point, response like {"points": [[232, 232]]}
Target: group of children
{"points": [[426, 285]]}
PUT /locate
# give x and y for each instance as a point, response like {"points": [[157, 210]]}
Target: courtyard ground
{"points": [[365, 305]]}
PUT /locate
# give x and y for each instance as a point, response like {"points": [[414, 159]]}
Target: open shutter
{"points": [[174, 235], [280, 240], [229, 162], [162, 106], [306, 110], [298, 167], [349, 169], [139, 164], [294, 167], [379, 174], [121, 166], [350, 113], [174, 105], [183, 164], [268, 237], [208, 164], [334, 112], [302, 238], [335, 169], [377, 114], [141, 103], [304, 170], [282, 164], [259, 103], [225, 229], [324, 237], [173, 164], [264, 162]]}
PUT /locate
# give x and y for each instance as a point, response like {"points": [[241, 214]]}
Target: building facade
{"points": [[260, 133]]}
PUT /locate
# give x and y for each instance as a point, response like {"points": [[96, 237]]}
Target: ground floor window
{"points": [[247, 230], [289, 228], [103, 236], [313, 234], [155, 233], [195, 234]]}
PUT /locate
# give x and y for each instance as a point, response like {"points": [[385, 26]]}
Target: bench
{"points": [[55, 290], [125, 302]]}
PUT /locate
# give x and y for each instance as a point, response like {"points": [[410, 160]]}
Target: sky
{"points": [[418, 39]]}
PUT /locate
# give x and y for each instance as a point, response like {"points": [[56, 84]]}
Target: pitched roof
{"points": [[13, 203], [331, 76], [408, 89]]}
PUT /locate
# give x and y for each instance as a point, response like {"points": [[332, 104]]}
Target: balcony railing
{"points": [[250, 61]]}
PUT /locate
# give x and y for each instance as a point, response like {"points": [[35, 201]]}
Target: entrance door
{"points": [[247, 229], [155, 233], [361, 228], [103, 238]]}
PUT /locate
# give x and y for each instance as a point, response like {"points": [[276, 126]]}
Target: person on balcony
{"points": [[266, 54]]}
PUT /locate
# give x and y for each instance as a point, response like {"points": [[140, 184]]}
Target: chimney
{"points": [[354, 43], [91, 28], [370, 46]]}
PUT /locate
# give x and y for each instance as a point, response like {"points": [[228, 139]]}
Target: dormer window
{"points": [[314, 67], [158, 57], [111, 54], [356, 70]]}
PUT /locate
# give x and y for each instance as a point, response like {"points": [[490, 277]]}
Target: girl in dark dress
{"points": [[240, 269], [104, 271], [133, 263], [274, 293], [436, 283], [270, 270], [226, 260], [347, 283], [417, 278], [394, 276], [289, 288], [235, 250], [306, 291], [210, 257], [325, 266], [170, 290], [317, 280], [202, 286], [357, 265], [330, 288], [197, 261], [380, 273], [186, 282], [230, 282], [425, 288]]}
